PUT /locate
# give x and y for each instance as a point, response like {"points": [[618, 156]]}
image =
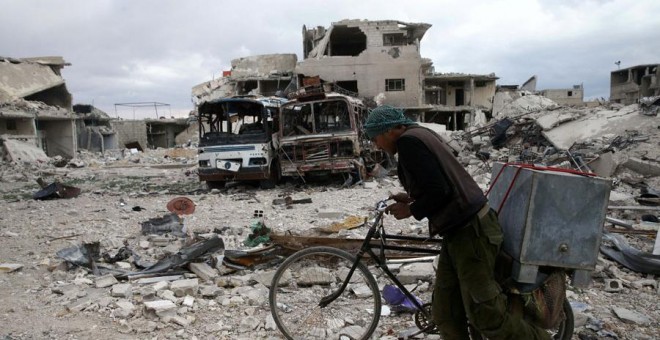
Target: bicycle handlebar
{"points": [[382, 205]]}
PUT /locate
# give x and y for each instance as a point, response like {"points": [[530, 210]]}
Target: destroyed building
{"points": [[382, 60], [629, 85], [35, 105], [259, 75], [95, 133], [569, 96]]}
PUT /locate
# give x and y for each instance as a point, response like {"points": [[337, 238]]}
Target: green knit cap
{"points": [[383, 118]]}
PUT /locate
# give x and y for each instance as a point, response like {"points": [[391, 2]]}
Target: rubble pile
{"points": [[116, 261]]}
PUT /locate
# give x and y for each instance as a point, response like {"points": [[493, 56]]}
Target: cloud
{"points": [[157, 50]]}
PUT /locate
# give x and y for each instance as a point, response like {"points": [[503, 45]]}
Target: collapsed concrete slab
{"points": [[18, 151], [605, 122]]}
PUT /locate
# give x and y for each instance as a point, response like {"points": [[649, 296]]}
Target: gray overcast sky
{"points": [[157, 50]]}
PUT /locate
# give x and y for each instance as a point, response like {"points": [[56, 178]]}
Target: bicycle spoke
{"points": [[307, 277]]}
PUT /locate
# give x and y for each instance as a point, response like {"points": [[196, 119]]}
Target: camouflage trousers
{"points": [[466, 289]]}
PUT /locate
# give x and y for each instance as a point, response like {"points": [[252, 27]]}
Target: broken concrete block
{"points": [[147, 292], [204, 271], [362, 291], [370, 185], [330, 214], [82, 281], [161, 308], [629, 316], [266, 277], [249, 323], [185, 287], [167, 295], [604, 165], [639, 284], [123, 265], [188, 301], [148, 280], [124, 290], [161, 285], [413, 272], [10, 267], [316, 275], [106, 281], [642, 167], [233, 301], [210, 291], [81, 304], [613, 285], [270, 323], [179, 320], [124, 309]]}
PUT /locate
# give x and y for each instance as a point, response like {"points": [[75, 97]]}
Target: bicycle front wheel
{"points": [[311, 274]]}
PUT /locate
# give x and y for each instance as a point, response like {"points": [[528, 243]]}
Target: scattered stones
{"points": [[10, 267], [161, 308], [204, 271], [185, 287], [630, 316], [106, 281], [124, 290], [232, 302], [613, 285]]}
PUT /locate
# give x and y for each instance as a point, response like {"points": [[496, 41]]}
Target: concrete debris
{"points": [[10, 267], [168, 224], [89, 255], [56, 190], [630, 316], [20, 152]]}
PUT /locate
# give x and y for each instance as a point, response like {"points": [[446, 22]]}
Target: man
{"points": [[440, 189]]}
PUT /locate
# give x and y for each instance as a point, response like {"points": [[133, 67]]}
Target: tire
{"points": [[311, 274], [565, 329], [215, 184], [563, 332], [274, 178]]}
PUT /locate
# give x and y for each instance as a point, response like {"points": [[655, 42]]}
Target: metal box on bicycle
{"points": [[549, 218]]}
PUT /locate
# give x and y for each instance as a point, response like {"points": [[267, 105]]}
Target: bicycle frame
{"points": [[377, 231]]}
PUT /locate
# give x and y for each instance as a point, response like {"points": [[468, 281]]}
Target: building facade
{"points": [[629, 85], [571, 96], [381, 60]]}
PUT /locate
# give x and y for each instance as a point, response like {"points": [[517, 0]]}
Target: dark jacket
{"points": [[444, 192]]}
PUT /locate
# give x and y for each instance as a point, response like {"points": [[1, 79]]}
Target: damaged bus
{"points": [[321, 134], [236, 140]]}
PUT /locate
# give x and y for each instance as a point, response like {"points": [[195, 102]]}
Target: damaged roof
{"points": [[23, 77]]}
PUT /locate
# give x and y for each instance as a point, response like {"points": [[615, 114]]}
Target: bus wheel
{"points": [[274, 177], [215, 184]]}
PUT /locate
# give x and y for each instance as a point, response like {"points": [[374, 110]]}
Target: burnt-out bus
{"points": [[236, 140], [322, 135]]}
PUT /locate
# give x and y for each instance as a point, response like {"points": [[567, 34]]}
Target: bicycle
{"points": [[322, 292]]}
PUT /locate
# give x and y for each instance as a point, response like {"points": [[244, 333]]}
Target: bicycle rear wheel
{"points": [[305, 278]]}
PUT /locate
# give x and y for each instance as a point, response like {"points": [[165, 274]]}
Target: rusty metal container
{"points": [[550, 218]]}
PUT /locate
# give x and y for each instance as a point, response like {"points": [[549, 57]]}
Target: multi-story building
{"points": [[570, 96], [381, 60], [628, 85]]}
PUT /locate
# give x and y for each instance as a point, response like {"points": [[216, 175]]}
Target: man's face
{"points": [[386, 142]]}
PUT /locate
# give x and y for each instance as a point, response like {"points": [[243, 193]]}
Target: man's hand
{"points": [[401, 197], [399, 210]]}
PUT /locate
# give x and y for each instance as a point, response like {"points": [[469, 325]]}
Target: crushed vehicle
{"points": [[321, 134], [236, 140]]}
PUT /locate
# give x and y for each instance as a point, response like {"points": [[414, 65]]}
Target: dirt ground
{"points": [[33, 305]]}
